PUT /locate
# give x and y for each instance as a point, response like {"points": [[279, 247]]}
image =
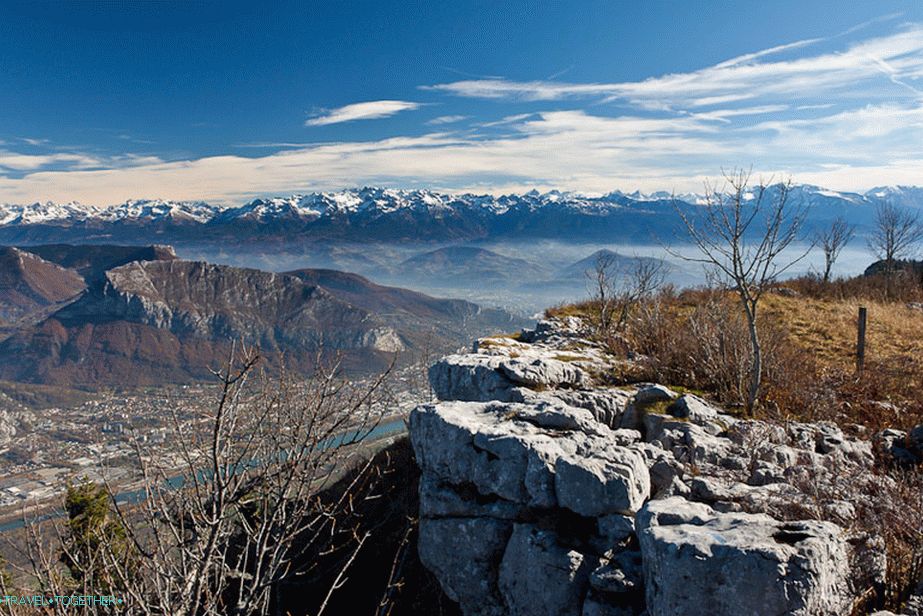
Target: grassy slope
{"points": [[827, 328], [815, 377]]}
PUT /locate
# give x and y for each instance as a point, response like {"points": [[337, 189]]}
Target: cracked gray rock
{"points": [[740, 563], [557, 578]]}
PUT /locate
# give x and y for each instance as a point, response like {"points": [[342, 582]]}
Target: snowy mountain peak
{"points": [[904, 196], [37, 213], [158, 209]]}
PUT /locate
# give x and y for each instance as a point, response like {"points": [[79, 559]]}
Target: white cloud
{"points": [[880, 128], [68, 162], [447, 119], [568, 149], [746, 77], [904, 172], [29, 162], [264, 145], [508, 120], [361, 111], [529, 90], [549, 149]]}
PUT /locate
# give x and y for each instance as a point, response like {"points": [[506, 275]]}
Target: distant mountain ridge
{"points": [[390, 214], [617, 264], [92, 262], [166, 320], [469, 265]]}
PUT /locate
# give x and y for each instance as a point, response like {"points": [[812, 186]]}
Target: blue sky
{"points": [[105, 101]]}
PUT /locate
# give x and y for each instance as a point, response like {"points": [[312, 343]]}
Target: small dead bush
{"points": [[699, 339], [905, 287]]}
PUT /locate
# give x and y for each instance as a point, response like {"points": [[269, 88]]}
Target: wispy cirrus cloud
{"points": [[499, 88], [727, 115], [446, 119], [750, 57], [361, 111], [748, 77]]}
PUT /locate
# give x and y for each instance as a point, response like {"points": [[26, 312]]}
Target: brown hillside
{"points": [[29, 284], [155, 322]]}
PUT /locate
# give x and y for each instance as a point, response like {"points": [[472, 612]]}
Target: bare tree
{"points": [[420, 364], [832, 240], [602, 283], [616, 289], [640, 282], [742, 232], [217, 526], [894, 235]]}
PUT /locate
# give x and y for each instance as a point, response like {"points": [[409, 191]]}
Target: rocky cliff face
{"points": [[209, 301], [93, 261], [171, 321], [546, 492], [150, 322]]}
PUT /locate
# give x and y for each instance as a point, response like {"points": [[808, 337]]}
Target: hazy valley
{"points": [[519, 252]]}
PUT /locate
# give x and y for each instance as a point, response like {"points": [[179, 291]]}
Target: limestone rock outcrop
{"points": [[541, 456], [546, 491]]}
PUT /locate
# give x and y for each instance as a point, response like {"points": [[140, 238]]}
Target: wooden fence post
{"points": [[860, 340]]}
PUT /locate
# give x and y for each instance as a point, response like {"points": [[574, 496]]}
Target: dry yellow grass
{"points": [[827, 328]]}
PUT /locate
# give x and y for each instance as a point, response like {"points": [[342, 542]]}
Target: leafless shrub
{"points": [[617, 289], [902, 287], [704, 347], [887, 396], [884, 528], [215, 529], [387, 576], [832, 240], [699, 339], [895, 511]]}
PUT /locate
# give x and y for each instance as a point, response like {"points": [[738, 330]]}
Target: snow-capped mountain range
{"points": [[379, 213], [49, 212]]}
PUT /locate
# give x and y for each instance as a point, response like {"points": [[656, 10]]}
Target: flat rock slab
{"points": [[540, 456], [735, 563], [480, 377], [471, 377]]}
